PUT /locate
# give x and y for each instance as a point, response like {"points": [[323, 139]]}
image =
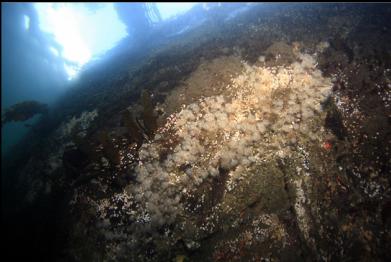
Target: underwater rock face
{"points": [[240, 150], [260, 112], [197, 167], [23, 111], [280, 53]]}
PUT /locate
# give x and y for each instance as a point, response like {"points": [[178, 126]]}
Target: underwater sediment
{"points": [[268, 139]]}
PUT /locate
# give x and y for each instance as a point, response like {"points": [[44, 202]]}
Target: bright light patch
{"points": [[88, 30], [54, 51], [168, 10], [71, 71], [26, 22], [82, 32]]}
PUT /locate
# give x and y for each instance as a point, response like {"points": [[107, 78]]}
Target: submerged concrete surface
{"points": [[262, 137]]}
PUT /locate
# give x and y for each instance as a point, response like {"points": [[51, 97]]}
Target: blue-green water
{"points": [[29, 70]]}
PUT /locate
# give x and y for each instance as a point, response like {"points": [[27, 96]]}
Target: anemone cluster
{"points": [[81, 123], [261, 113]]}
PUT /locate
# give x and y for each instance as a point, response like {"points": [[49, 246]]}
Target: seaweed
{"points": [[149, 118], [109, 149], [333, 120], [134, 130], [145, 127], [340, 45]]}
